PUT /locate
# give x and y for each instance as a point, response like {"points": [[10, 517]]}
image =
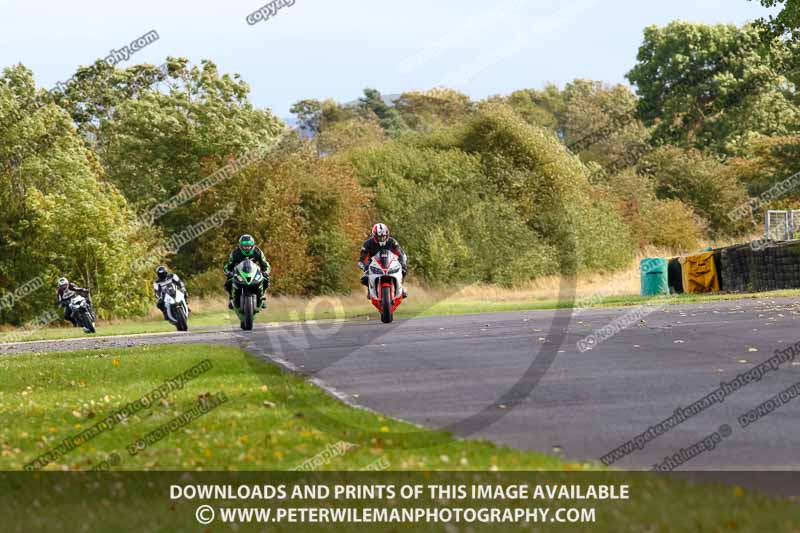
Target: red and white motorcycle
{"points": [[385, 283]]}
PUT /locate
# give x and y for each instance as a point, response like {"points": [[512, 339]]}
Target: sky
{"points": [[336, 48]]}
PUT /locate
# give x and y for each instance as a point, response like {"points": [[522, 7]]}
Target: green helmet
{"points": [[247, 244]]}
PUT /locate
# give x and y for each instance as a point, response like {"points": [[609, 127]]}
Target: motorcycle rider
{"points": [[247, 249], [380, 240], [63, 286], [163, 279]]}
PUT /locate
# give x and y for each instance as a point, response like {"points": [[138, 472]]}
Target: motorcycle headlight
{"points": [[375, 270], [257, 277], [395, 269]]}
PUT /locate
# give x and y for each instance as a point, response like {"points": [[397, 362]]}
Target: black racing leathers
{"points": [[236, 257], [63, 301]]}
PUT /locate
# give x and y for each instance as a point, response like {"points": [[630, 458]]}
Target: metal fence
{"points": [[782, 225]]}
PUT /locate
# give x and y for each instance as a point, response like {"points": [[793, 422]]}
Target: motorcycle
{"points": [[81, 310], [385, 283], [176, 306], [248, 294]]}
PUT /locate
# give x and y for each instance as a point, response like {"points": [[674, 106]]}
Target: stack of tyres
{"points": [[654, 276], [736, 267], [792, 265], [783, 265], [761, 266], [765, 272], [760, 272]]}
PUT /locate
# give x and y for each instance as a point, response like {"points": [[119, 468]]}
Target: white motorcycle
{"points": [[81, 310], [385, 283], [176, 306]]}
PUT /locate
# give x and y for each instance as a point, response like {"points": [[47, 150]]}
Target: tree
{"points": [[309, 115], [785, 23], [453, 224], [599, 122], [389, 117], [310, 221], [93, 93], [59, 218], [433, 109], [351, 133], [541, 108], [710, 86], [549, 188], [662, 222], [768, 168], [335, 127], [156, 143], [698, 180]]}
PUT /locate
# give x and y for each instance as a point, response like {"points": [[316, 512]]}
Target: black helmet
{"points": [[162, 273]]}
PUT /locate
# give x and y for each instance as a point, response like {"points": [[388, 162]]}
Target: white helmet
{"points": [[380, 232], [62, 282]]}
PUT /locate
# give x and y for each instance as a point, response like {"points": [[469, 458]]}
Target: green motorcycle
{"points": [[247, 292]]}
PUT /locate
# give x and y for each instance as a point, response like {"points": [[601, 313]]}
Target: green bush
{"points": [[444, 211], [548, 187], [668, 223]]}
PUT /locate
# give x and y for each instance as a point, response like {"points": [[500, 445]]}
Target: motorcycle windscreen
{"points": [[385, 258], [248, 271]]}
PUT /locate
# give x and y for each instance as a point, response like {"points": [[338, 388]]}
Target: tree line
{"points": [[506, 189]]}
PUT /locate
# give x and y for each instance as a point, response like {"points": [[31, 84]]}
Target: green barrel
{"points": [[655, 278]]}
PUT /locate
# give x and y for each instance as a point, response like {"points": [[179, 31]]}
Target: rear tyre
{"points": [[248, 310], [180, 319], [386, 305]]}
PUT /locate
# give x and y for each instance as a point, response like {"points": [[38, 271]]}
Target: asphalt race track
{"points": [[457, 371]]}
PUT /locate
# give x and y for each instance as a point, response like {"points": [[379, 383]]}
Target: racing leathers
{"points": [[159, 287], [63, 298], [236, 257], [372, 247]]}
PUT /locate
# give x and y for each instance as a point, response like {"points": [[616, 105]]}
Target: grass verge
{"points": [[272, 421]]}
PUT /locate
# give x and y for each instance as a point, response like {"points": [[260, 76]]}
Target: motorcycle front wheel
{"points": [[180, 318], [86, 321], [386, 305], [248, 311]]}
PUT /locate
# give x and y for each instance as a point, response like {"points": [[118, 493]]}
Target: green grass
{"points": [[275, 421], [205, 320], [220, 318], [272, 420]]}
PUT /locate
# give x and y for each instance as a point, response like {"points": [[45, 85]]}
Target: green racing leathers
{"points": [[236, 257]]}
